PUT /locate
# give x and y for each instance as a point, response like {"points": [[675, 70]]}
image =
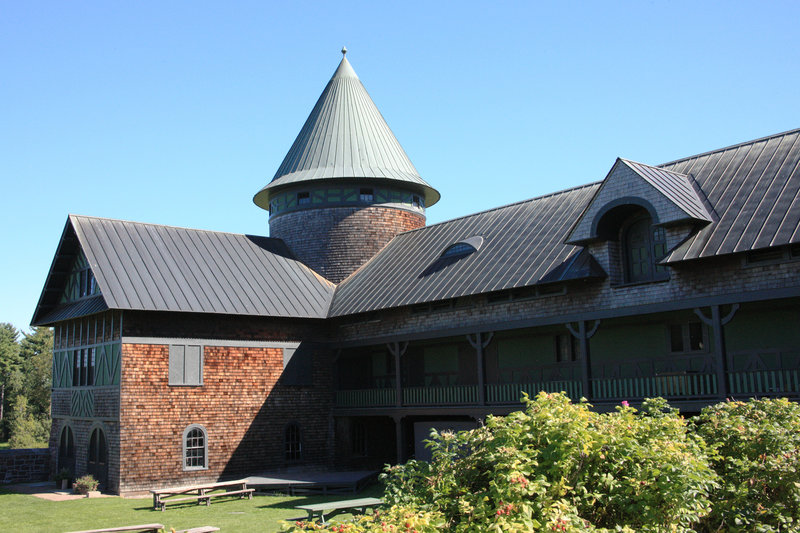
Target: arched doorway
{"points": [[97, 461], [66, 450]]}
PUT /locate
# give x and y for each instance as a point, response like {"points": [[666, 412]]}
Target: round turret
{"points": [[346, 187]]}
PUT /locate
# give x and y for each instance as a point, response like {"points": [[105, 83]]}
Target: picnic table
{"points": [[200, 493], [329, 509], [141, 528]]}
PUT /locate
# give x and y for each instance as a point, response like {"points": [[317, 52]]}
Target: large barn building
{"points": [[184, 355]]}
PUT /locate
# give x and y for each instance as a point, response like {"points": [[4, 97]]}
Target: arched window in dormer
{"points": [[463, 247], [642, 246]]}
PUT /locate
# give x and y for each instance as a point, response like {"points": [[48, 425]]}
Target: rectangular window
{"points": [[185, 364], [85, 369], [303, 198], [366, 195], [76, 368], [687, 338], [90, 374]]}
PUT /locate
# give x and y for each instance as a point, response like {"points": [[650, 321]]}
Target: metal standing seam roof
{"points": [[164, 268], [345, 137], [676, 187], [754, 190], [522, 244]]}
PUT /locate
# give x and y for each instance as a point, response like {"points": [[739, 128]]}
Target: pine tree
{"points": [[10, 360], [36, 350]]}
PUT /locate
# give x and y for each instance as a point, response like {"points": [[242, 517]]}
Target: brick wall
{"points": [[25, 465], [242, 405], [335, 241]]}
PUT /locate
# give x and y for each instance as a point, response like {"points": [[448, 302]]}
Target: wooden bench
{"points": [[200, 493], [141, 528], [357, 506]]}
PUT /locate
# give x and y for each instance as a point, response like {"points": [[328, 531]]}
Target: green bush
{"points": [[757, 456], [557, 466], [560, 466], [85, 484]]}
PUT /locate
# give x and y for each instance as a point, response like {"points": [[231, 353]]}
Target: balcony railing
{"points": [[674, 386], [504, 393], [456, 395], [765, 383], [366, 398]]}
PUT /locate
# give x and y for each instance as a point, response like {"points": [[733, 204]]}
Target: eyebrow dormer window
{"points": [[366, 195], [303, 198], [464, 247]]}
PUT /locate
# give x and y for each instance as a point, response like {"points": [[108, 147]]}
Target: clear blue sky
{"points": [[177, 112]]}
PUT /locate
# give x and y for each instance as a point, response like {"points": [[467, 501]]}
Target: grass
{"points": [[23, 512]]}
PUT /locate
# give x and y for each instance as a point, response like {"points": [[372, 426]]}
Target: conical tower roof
{"points": [[345, 137]]}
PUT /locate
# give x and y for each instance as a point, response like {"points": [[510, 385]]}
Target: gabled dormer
{"points": [[637, 215]]}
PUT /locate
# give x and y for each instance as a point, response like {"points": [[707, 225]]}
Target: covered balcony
{"points": [[675, 356]]}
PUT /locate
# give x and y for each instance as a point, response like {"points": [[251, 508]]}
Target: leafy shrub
{"points": [[560, 466], [85, 484], [557, 466], [757, 456]]}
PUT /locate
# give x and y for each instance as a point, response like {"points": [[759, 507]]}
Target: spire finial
{"points": [[344, 51]]}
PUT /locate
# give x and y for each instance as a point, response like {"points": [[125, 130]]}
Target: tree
{"points": [[36, 350], [10, 359], [27, 430]]}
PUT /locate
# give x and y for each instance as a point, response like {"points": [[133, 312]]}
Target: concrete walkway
{"points": [[47, 490]]}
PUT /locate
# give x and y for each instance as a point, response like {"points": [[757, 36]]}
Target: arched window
{"points": [[643, 245], [97, 460], [66, 450], [195, 448], [292, 443]]}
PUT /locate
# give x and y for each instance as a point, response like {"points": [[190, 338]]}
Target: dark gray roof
{"points": [[754, 190], [523, 244], [676, 187], [345, 137], [84, 307], [163, 268], [750, 194]]}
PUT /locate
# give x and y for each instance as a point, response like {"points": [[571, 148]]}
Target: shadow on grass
{"points": [[290, 502]]}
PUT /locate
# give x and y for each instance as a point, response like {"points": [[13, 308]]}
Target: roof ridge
{"points": [[542, 197], [170, 226], [731, 147]]}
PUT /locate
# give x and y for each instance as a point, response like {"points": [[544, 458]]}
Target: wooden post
{"points": [[583, 339], [397, 350], [479, 342], [716, 322]]}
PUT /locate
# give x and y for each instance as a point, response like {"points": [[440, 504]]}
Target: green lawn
{"points": [[22, 512]]}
